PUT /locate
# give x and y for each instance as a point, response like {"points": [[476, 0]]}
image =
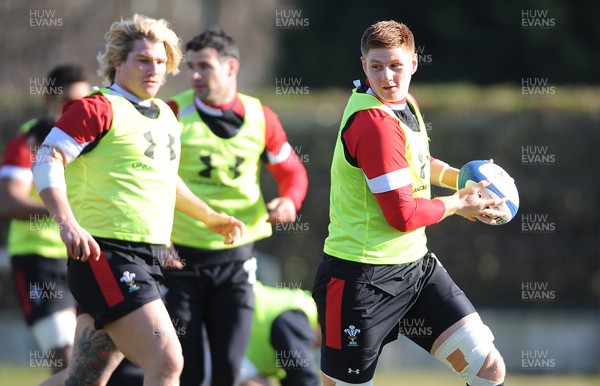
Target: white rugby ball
{"points": [[502, 185]]}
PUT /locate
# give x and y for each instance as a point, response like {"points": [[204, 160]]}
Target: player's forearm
{"points": [[291, 178], [49, 178], [57, 204], [451, 204], [405, 212], [188, 203], [15, 200], [17, 209], [443, 174]]}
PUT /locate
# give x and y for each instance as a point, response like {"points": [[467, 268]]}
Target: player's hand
{"points": [[172, 260], [228, 226], [80, 244], [281, 210], [472, 207]]}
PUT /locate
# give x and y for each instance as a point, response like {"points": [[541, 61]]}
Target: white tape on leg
{"points": [[56, 330], [473, 341]]}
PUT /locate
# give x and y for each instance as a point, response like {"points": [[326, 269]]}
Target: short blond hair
{"points": [[387, 34], [122, 34]]}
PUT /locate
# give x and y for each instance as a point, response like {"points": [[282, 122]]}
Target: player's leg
{"points": [[54, 334], [229, 319], [185, 301], [120, 292], [359, 307], [444, 322], [94, 357], [47, 304], [293, 339], [467, 347], [146, 336]]}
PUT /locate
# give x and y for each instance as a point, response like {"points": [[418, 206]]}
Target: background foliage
{"points": [[475, 57]]}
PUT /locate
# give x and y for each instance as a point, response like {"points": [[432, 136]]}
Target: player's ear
{"points": [[234, 66], [415, 63], [363, 61]]}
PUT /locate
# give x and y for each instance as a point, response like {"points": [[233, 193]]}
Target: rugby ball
{"points": [[502, 185]]}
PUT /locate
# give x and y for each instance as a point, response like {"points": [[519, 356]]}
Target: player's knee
{"points": [[471, 353], [493, 368], [55, 330], [167, 363]]}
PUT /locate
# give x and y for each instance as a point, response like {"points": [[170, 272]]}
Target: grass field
{"points": [[410, 378], [23, 376]]}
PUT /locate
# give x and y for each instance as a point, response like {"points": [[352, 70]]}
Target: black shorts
{"points": [[123, 279], [41, 286], [219, 298], [363, 307]]}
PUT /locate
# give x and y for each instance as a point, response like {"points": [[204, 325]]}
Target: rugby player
{"points": [[377, 273], [226, 137], [119, 149], [37, 252]]}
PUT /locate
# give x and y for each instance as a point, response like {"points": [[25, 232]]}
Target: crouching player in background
{"points": [[283, 338]]}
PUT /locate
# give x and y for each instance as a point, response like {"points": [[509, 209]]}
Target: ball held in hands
{"points": [[502, 185]]}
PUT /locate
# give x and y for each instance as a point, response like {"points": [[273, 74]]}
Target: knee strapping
{"points": [[55, 330], [466, 349]]}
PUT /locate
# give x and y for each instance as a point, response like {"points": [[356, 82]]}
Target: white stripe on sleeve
{"points": [[283, 155], [389, 181], [16, 172], [65, 143]]}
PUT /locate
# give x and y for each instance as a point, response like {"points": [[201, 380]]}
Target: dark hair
{"points": [[41, 128], [217, 39], [65, 75]]}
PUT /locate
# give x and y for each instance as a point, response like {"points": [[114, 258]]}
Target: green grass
{"points": [[24, 376], [412, 378]]}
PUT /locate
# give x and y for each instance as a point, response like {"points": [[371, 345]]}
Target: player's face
{"points": [[389, 71], [71, 92], [213, 78], [143, 72], [77, 90]]}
